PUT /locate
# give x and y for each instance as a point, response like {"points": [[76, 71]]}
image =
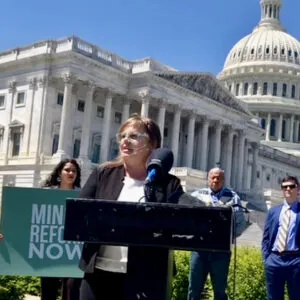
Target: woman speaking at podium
{"points": [[104, 266]]}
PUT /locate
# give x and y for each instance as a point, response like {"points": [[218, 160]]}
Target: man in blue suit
{"points": [[280, 244]]}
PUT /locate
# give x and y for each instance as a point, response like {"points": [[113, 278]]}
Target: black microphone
{"points": [[245, 209], [159, 164]]}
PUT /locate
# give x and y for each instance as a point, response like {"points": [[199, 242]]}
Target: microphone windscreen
{"points": [[162, 159]]}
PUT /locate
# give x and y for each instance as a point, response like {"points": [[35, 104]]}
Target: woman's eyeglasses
{"points": [[131, 137], [291, 186]]}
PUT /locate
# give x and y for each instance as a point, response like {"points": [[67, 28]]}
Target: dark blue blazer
{"points": [[271, 229]]}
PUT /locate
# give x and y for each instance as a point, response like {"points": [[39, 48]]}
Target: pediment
{"points": [[16, 123], [205, 84]]}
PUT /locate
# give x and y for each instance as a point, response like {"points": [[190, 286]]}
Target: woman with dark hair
{"points": [[65, 176], [123, 179]]}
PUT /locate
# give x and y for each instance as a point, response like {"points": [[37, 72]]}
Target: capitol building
{"points": [[67, 98]]}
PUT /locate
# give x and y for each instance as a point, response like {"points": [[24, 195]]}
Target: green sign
{"points": [[32, 223]]}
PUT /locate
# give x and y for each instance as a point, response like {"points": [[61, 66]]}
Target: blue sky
{"points": [[190, 35]]}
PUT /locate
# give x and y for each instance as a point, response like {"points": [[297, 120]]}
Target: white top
{"points": [[114, 258]]}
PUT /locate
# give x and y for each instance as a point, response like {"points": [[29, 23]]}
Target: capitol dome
{"points": [[268, 41], [263, 71]]}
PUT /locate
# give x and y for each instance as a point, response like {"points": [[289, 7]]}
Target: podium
{"points": [[151, 231]]}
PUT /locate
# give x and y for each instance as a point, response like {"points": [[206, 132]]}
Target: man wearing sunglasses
{"points": [[281, 242]]}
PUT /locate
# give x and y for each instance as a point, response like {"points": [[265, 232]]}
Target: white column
{"points": [[204, 143], [27, 131], [280, 128], [9, 106], [228, 163], [254, 165], [191, 138], [145, 107], [87, 123], [292, 128], [44, 84], [126, 110], [161, 120], [175, 134], [66, 117], [245, 175], [217, 142], [105, 139], [241, 160], [268, 126]]}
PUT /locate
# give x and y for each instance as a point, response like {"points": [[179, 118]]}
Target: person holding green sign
{"points": [[66, 176]]}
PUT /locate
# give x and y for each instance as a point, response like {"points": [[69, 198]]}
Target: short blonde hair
{"points": [[148, 125]]}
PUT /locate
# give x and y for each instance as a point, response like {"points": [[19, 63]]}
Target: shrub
{"points": [[249, 276], [15, 287]]}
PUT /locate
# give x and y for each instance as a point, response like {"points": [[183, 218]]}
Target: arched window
{"points": [[284, 88], [246, 86], [274, 89], [293, 91], [283, 129], [237, 89], [273, 128], [255, 86], [263, 123], [265, 89]]}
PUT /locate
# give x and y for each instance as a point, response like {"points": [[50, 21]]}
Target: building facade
{"points": [[67, 98]]}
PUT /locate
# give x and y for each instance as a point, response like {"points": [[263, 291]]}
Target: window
{"points": [[229, 88], [165, 132], [282, 51], [252, 51], [267, 50], [257, 174], [95, 153], [284, 87], [263, 123], [246, 86], [255, 86], [293, 91], [100, 111], [60, 98], [274, 89], [21, 98], [275, 50], [118, 117], [16, 143], [237, 89], [273, 128], [81, 105], [265, 88], [96, 148], [55, 143], [283, 129], [2, 101], [114, 149], [76, 148]]}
